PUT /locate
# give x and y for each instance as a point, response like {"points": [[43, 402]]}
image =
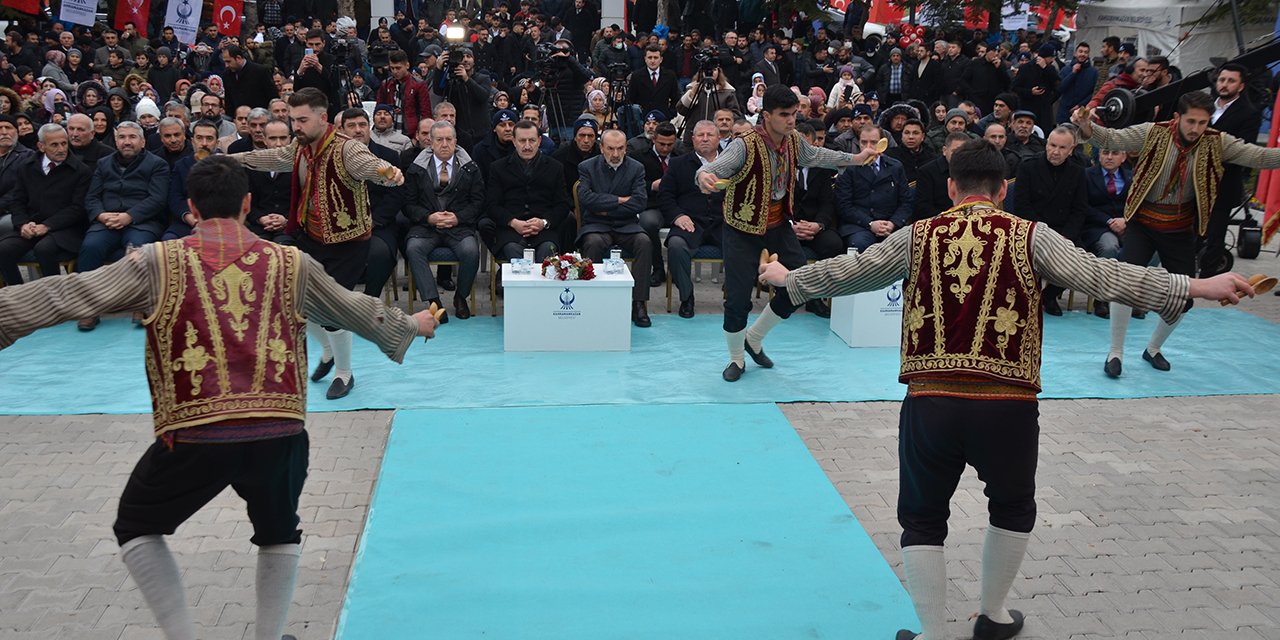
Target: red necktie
{"points": [[1111, 183], [655, 78], [664, 164]]}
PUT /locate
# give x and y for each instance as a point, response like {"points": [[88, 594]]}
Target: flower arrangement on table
{"points": [[568, 266]]}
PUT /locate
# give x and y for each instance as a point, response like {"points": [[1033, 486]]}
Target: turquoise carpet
{"points": [[677, 361], [591, 522]]}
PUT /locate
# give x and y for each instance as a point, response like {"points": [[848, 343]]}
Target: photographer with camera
{"points": [[707, 93], [454, 81], [560, 78], [319, 70]]}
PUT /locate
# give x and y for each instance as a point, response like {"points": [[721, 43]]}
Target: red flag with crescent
{"points": [[135, 11], [1268, 191], [31, 7], [226, 14]]}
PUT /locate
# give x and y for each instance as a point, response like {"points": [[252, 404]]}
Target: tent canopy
{"points": [[1156, 27]]}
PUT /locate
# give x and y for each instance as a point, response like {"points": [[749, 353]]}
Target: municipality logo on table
{"points": [[566, 305], [893, 298]]}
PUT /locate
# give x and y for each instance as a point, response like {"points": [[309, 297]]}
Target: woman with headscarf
{"points": [[77, 71], [56, 106], [598, 108], [214, 82], [26, 130], [180, 90], [501, 101], [54, 60], [133, 87], [119, 106], [103, 126]]}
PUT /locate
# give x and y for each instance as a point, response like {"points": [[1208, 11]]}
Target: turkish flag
{"points": [[25, 6], [1268, 192], [226, 14], [135, 11]]}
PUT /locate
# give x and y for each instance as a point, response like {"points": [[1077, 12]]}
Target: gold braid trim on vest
{"points": [[1206, 170], [750, 191], [973, 299]]}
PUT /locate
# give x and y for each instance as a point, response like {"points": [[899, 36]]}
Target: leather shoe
{"points": [[444, 318], [1138, 314], [461, 308], [905, 634], [1112, 367], [1102, 309], [732, 372], [446, 283], [87, 324], [985, 629], [340, 389], [322, 370], [1052, 307], [818, 308], [640, 314], [686, 307], [657, 279], [758, 356], [1157, 361]]}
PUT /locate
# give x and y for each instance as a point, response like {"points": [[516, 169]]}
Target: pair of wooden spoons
{"points": [[1261, 284], [436, 311]]}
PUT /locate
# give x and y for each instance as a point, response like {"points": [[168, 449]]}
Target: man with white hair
{"points": [[47, 205]]}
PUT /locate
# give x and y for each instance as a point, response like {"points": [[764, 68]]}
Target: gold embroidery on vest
{"points": [[914, 319], [234, 288], [274, 257], [341, 216], [277, 352], [1007, 321], [211, 321], [964, 256], [194, 359]]}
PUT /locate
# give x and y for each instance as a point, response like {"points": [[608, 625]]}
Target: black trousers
{"points": [[168, 486], [344, 262], [938, 436], [636, 245], [46, 252], [379, 265], [742, 269]]}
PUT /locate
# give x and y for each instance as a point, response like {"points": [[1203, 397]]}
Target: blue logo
{"points": [[566, 299], [894, 295]]}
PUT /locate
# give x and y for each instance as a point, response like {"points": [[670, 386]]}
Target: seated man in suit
{"points": [[204, 143], [1052, 190], [526, 199], [1022, 140], [127, 204], [874, 200], [695, 218], [444, 196], [384, 205], [47, 205], [913, 153], [931, 186], [269, 208], [611, 195], [655, 162], [998, 136], [814, 212], [1108, 186]]}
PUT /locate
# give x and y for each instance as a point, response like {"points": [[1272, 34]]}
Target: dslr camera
{"points": [[708, 60]]}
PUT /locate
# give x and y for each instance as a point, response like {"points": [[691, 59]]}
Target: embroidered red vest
{"points": [[1206, 170], [226, 344], [973, 301], [747, 198], [328, 203]]}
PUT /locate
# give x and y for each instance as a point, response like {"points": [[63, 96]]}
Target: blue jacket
{"points": [[1075, 89], [140, 189], [1102, 205], [862, 195]]}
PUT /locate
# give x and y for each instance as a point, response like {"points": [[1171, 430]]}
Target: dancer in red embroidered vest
{"points": [[758, 172], [226, 360], [1175, 183], [331, 205], [971, 332]]}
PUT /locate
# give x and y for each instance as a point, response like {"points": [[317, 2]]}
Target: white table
{"points": [[871, 319], [541, 314]]}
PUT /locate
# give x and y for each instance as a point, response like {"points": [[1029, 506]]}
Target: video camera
{"points": [[708, 60], [380, 55], [548, 57], [619, 71]]}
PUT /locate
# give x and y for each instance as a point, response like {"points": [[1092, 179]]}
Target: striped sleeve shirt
{"points": [[1055, 259], [133, 284], [359, 162], [730, 161]]}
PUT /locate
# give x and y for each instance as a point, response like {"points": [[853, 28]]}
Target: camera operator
{"points": [[319, 70], [454, 81], [560, 78], [708, 93]]}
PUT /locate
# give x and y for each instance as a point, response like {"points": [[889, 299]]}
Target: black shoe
{"points": [[1052, 307], [340, 389], [288, 637], [818, 308], [322, 370], [905, 634], [1138, 314], [985, 629], [444, 319], [758, 356], [657, 279], [446, 283], [1112, 367], [640, 314], [460, 307], [1157, 361], [732, 372], [88, 324], [1102, 309], [686, 307]]}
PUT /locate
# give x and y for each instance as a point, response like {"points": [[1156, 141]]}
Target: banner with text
{"points": [[79, 12]]}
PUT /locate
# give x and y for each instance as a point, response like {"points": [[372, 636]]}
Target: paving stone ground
{"points": [[1158, 518]]}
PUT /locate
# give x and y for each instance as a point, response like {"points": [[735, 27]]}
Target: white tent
{"points": [[1157, 26]]}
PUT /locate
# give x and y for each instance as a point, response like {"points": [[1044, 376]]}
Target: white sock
{"points": [[736, 352], [277, 573], [320, 335], [1002, 554], [1163, 329], [1119, 326], [156, 572], [926, 571], [764, 323], [341, 340]]}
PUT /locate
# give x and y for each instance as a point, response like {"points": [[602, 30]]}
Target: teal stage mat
{"points": [[594, 522], [677, 361]]}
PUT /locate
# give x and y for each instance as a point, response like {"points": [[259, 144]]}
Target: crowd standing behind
{"points": [[541, 105]]}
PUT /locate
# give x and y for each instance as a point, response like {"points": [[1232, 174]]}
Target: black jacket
{"points": [[464, 196], [91, 154], [652, 170], [931, 189], [679, 195], [1242, 119], [1102, 205], [326, 81], [662, 97], [815, 200], [251, 86], [911, 162], [270, 195], [1057, 196], [865, 195], [510, 195], [55, 200]]}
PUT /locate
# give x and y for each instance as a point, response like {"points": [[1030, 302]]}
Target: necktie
{"points": [[663, 159], [52, 166], [444, 174], [1111, 183], [655, 78]]}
